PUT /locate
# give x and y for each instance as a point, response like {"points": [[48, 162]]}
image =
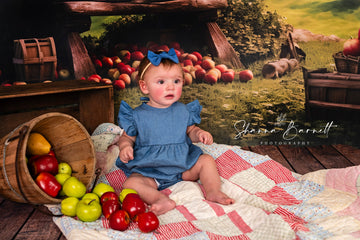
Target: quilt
{"points": [[272, 203]]}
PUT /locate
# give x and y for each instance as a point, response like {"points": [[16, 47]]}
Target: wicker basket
{"points": [[347, 64]]}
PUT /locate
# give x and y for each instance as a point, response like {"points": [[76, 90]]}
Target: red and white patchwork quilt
{"points": [[272, 203]]}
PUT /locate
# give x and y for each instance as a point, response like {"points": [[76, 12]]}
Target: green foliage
{"points": [[252, 30]]}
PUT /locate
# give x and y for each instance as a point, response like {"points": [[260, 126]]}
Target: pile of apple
{"points": [[352, 46], [121, 70], [118, 210], [54, 178]]}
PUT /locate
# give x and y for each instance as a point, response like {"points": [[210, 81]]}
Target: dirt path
{"points": [[303, 35]]}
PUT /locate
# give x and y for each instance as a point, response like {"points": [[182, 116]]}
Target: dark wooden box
{"points": [[90, 103]]}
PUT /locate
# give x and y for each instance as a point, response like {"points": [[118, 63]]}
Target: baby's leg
{"points": [[205, 170], [147, 190]]}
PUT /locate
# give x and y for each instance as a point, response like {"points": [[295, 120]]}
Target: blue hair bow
{"points": [[155, 59]]}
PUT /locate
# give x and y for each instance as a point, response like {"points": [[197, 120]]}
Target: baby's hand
{"points": [[205, 137], [126, 154]]}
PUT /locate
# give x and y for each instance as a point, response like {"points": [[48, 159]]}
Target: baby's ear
{"points": [[143, 87]]}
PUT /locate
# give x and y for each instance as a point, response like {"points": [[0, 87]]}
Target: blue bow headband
{"points": [[155, 59]]}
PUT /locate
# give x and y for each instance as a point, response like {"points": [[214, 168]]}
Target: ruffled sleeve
{"points": [[126, 120], [194, 109]]}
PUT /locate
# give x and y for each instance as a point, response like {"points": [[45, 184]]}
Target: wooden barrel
{"points": [[35, 59], [70, 142]]}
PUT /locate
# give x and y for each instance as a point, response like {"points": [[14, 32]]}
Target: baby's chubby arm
{"points": [[196, 134], [126, 144]]}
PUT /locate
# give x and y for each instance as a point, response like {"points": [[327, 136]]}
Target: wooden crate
{"points": [[90, 103], [35, 59], [334, 96]]}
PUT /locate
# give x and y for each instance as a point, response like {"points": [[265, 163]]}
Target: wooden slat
{"points": [[35, 228], [314, 103], [13, 216], [300, 159], [349, 152], [97, 8], [49, 88], [329, 157], [333, 83], [274, 153]]}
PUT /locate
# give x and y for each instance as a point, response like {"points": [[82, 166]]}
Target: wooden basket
{"points": [[71, 143], [347, 64], [35, 59]]}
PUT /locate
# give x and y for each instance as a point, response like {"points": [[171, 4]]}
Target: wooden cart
{"points": [[334, 96]]}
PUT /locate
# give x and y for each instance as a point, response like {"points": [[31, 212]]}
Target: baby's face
{"points": [[163, 85]]}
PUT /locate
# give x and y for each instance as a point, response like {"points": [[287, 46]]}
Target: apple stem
{"points": [[91, 201]]}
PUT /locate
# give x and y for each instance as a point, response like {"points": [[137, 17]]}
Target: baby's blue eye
{"points": [[161, 82], [177, 81]]}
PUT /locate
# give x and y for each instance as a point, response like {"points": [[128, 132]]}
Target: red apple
{"points": [[126, 69], [133, 205], [207, 64], [94, 78], [352, 47], [164, 48], [221, 67], [119, 220], [45, 163], [209, 78], [148, 222], [137, 56], [126, 78], [48, 184], [200, 74], [119, 84], [188, 62], [192, 57], [107, 62], [245, 75], [125, 56], [98, 63], [183, 57], [106, 81], [109, 207], [198, 55], [187, 79], [116, 60], [108, 196], [178, 53], [228, 76], [214, 71]]}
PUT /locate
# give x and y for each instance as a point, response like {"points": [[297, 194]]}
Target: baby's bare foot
{"points": [[219, 197], [162, 206]]}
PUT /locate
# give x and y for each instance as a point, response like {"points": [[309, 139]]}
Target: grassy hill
{"points": [[327, 17]]}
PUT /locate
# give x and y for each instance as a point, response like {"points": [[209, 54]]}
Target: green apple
{"points": [[88, 210], [102, 188], [125, 192], [62, 177], [65, 168], [74, 188], [91, 196], [68, 206]]}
